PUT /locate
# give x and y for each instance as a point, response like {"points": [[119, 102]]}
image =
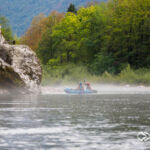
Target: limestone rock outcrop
{"points": [[19, 66]]}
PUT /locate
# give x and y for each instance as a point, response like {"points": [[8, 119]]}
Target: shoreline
{"points": [[55, 82]]}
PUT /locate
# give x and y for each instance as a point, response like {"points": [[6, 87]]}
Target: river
{"points": [[110, 120]]}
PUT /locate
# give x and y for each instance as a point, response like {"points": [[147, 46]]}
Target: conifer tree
{"points": [[72, 8]]}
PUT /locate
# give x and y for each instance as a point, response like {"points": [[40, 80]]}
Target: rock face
{"points": [[19, 66]]}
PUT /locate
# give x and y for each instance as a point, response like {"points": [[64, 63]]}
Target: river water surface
{"points": [[105, 121]]}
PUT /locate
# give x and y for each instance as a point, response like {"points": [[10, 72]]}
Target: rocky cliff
{"points": [[19, 66]]}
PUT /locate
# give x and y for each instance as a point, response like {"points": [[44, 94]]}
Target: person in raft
{"points": [[88, 86], [80, 86]]}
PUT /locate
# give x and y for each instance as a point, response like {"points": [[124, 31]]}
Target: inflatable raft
{"points": [[75, 91]]}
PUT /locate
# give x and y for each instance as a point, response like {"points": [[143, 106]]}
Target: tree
{"points": [[45, 50], [34, 33], [6, 29], [104, 37], [128, 37], [65, 37], [72, 8]]}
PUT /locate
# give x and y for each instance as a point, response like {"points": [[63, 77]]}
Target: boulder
{"points": [[19, 66]]}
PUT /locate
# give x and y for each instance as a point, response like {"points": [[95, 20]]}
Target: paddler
{"points": [[80, 86], [88, 86]]}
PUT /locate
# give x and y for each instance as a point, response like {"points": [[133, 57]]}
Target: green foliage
{"points": [[6, 29], [103, 37], [72, 8], [103, 63], [45, 49], [21, 12], [71, 73], [106, 36], [128, 37], [16, 39], [140, 76], [64, 74]]}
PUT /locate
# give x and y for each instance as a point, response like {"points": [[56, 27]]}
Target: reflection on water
{"points": [[74, 122]]}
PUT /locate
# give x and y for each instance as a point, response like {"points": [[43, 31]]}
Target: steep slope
{"points": [[21, 12]]}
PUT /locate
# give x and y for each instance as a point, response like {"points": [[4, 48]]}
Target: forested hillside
{"points": [[21, 12], [106, 37]]}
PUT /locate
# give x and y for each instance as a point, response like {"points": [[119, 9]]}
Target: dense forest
{"points": [[21, 12], [108, 39]]}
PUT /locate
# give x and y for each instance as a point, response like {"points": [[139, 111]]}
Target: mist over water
{"points": [[53, 120], [101, 88]]}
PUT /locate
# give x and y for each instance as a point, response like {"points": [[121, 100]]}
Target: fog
{"points": [[101, 88]]}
